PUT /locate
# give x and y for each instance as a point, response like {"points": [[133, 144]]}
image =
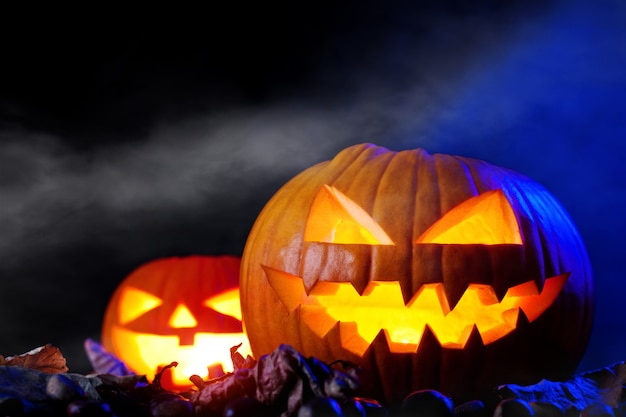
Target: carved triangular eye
{"points": [[486, 219], [334, 218], [182, 318], [226, 303], [135, 302]]}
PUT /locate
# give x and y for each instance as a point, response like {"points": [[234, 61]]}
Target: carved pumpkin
{"points": [[177, 309], [428, 271]]}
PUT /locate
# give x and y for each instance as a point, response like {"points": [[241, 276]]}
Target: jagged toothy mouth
{"points": [[381, 308]]}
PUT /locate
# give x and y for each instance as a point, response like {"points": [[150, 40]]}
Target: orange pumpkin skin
{"points": [[405, 193], [165, 311]]}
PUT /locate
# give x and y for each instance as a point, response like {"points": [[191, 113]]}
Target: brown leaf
{"points": [[47, 359], [282, 379], [214, 395], [238, 360], [610, 382], [604, 385], [287, 379]]}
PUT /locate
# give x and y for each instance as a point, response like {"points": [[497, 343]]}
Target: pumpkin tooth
{"points": [[360, 283], [309, 283], [186, 337], [408, 292], [522, 323], [430, 348], [454, 293], [539, 281], [474, 341], [284, 285], [500, 288], [429, 344]]}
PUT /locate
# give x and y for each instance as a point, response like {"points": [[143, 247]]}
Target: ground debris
{"points": [[282, 380], [46, 358], [605, 385], [281, 383]]}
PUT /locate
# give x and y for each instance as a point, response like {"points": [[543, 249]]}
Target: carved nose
{"points": [[182, 318]]}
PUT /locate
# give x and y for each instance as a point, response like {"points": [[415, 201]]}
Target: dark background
{"points": [[125, 137]]}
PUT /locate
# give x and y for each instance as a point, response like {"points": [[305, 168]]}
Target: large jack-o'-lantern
{"points": [[183, 309], [428, 271]]}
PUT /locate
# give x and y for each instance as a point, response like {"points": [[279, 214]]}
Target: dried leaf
{"points": [[238, 360], [610, 381], [47, 359], [124, 381], [287, 379], [156, 382], [283, 380], [576, 393], [198, 381], [278, 381], [215, 395], [104, 362], [342, 385], [603, 385]]}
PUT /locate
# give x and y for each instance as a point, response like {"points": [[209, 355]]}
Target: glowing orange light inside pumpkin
{"points": [[182, 318], [143, 351], [314, 234], [381, 307], [486, 219], [177, 309], [134, 303], [226, 303], [334, 218]]}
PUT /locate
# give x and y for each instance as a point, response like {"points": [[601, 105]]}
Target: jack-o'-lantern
{"points": [[178, 309], [427, 271]]}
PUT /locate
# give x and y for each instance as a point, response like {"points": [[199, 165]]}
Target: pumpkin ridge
{"points": [[373, 210], [437, 161], [423, 168], [459, 188], [553, 243], [507, 180], [332, 176], [469, 175], [554, 208], [343, 178], [505, 176], [530, 212], [349, 183], [408, 286]]}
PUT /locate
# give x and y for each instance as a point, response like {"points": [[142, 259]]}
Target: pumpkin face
{"points": [[177, 309], [428, 271]]}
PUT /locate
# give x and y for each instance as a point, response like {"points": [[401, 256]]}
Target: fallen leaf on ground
{"points": [[605, 385], [47, 359], [283, 380]]}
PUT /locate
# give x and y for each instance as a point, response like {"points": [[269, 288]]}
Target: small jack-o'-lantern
{"points": [[183, 309], [428, 271]]}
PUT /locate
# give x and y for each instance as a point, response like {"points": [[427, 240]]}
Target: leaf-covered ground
{"points": [[283, 383]]}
